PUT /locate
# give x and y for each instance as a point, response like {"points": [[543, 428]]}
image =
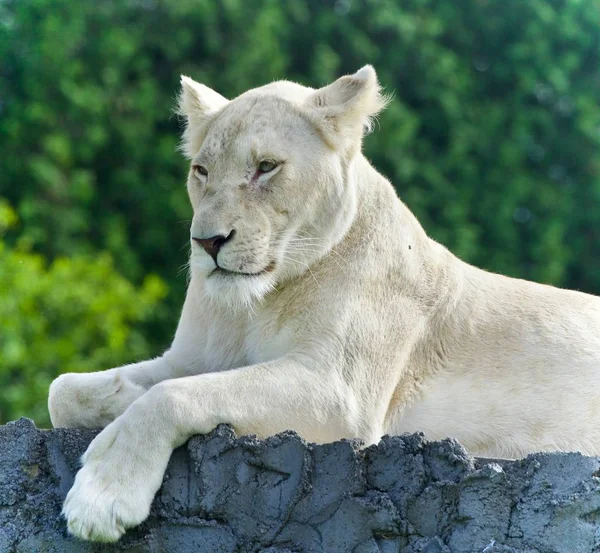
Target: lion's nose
{"points": [[213, 244]]}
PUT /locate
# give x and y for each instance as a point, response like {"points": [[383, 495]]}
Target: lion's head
{"points": [[270, 178]]}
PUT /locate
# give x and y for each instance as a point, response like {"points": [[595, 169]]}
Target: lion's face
{"points": [[274, 192], [268, 182]]}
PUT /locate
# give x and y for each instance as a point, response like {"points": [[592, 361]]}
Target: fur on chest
{"points": [[245, 341], [266, 341]]}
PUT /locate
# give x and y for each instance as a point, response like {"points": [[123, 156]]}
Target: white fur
{"points": [[359, 325]]}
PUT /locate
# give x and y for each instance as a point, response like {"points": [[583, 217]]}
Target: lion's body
{"points": [[332, 314]]}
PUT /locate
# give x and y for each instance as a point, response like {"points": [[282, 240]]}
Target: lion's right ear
{"points": [[345, 109], [197, 103]]}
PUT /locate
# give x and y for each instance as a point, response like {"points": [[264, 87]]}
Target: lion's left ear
{"points": [[345, 109], [197, 103]]}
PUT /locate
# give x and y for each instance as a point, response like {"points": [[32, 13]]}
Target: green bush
{"points": [[72, 315], [492, 138]]}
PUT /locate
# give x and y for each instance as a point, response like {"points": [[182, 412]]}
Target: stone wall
{"points": [[227, 494]]}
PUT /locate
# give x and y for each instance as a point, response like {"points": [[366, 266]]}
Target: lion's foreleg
{"points": [[261, 399]]}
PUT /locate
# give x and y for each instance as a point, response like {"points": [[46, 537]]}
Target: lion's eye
{"points": [[200, 172], [266, 166]]}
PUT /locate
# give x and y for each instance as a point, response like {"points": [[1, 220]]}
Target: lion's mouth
{"points": [[221, 271]]}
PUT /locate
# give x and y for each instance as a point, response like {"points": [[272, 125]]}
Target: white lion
{"points": [[317, 303]]}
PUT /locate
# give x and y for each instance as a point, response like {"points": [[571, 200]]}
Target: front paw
{"points": [[90, 400], [101, 511], [114, 489]]}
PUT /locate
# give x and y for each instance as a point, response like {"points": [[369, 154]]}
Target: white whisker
{"points": [[291, 259], [297, 249]]}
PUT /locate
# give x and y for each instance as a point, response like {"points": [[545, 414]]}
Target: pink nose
{"points": [[213, 244]]}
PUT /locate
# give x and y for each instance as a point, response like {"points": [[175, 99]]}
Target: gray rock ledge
{"points": [[226, 494]]}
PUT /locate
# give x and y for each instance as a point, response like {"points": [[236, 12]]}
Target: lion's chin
{"points": [[238, 291]]}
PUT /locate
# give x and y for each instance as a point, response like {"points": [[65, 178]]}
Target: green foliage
{"points": [[76, 314], [493, 138]]}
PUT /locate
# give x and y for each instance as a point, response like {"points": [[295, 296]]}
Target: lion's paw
{"points": [[90, 400], [122, 470], [98, 510]]}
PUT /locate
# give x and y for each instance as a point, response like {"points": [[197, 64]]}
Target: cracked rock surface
{"points": [[281, 495]]}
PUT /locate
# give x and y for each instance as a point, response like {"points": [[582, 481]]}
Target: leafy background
{"points": [[493, 140]]}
